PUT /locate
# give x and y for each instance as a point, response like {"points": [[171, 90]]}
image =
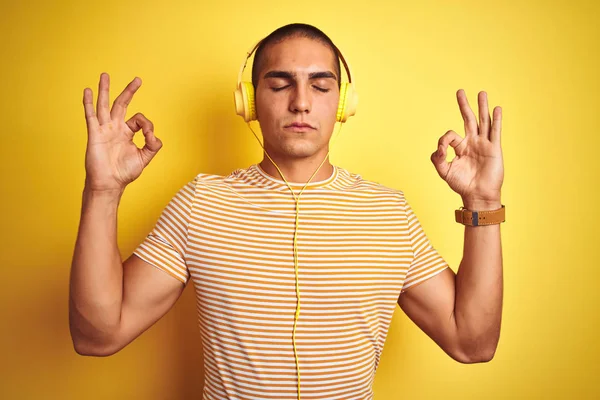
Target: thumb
{"points": [[151, 146], [438, 158]]}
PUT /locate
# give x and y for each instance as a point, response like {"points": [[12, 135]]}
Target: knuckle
{"points": [[445, 137]]}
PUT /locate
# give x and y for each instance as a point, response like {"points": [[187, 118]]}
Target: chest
{"points": [[352, 245]]}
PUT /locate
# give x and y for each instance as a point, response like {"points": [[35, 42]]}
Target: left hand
{"points": [[476, 172]]}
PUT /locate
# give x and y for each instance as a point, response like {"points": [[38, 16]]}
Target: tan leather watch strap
{"points": [[478, 218]]}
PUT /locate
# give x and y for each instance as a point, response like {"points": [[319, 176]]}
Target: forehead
{"points": [[299, 54]]}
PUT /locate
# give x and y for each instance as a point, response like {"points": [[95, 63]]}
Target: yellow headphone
{"points": [[245, 105]]}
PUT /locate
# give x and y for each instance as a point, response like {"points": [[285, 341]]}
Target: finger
{"points": [[441, 165], [119, 108], [496, 125], [139, 121], [103, 110], [438, 158], [152, 144], [449, 138], [88, 106], [484, 115], [467, 114]]}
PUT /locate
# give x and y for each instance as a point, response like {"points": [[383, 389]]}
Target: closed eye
{"points": [[277, 89], [321, 89]]}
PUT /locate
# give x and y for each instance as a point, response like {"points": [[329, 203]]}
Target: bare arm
{"points": [[462, 312], [111, 302], [96, 281], [479, 287]]}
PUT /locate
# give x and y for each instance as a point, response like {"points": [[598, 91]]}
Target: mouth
{"points": [[299, 127]]}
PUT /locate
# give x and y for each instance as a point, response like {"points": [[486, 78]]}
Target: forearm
{"points": [[96, 281], [479, 286]]}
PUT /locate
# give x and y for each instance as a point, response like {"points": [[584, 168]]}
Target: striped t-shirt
{"points": [[359, 246]]}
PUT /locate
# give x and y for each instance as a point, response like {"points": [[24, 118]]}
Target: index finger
{"points": [[119, 108], [467, 114], [88, 106], [496, 125]]}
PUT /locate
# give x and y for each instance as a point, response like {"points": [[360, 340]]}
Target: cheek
{"points": [[330, 110], [267, 108]]}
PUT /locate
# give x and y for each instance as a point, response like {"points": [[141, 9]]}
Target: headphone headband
{"points": [[245, 105]]}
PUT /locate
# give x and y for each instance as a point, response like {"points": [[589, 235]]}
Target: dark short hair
{"points": [[293, 31]]}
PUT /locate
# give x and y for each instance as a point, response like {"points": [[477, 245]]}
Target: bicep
{"points": [[430, 305], [148, 294]]}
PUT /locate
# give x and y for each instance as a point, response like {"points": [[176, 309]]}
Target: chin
{"points": [[299, 151], [295, 149]]}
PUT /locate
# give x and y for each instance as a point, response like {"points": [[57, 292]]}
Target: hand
{"points": [[476, 172], [112, 160]]}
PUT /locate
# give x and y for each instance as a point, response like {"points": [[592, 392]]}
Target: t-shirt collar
{"points": [[313, 184]]}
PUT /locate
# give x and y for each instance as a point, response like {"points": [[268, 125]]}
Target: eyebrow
{"points": [[292, 75]]}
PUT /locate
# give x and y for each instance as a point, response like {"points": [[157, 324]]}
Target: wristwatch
{"points": [[478, 218]]}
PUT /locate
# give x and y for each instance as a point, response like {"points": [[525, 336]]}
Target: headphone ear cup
{"points": [[348, 102], [245, 105]]}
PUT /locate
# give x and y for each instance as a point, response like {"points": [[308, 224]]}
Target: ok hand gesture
{"points": [[477, 171], [112, 160]]}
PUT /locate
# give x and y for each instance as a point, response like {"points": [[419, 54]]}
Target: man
{"points": [[360, 247]]}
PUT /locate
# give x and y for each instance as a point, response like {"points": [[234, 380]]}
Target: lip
{"points": [[299, 127]]}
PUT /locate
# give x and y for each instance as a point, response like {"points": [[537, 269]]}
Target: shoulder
{"points": [[238, 178], [354, 182], [207, 179]]}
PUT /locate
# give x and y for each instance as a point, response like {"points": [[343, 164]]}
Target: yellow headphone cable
{"points": [[297, 201], [244, 99]]}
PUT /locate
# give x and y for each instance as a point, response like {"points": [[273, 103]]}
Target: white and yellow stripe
{"points": [[359, 246]]}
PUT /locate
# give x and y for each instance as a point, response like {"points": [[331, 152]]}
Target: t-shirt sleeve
{"points": [[165, 245], [426, 262]]}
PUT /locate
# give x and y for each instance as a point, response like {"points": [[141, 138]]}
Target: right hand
{"points": [[112, 160]]}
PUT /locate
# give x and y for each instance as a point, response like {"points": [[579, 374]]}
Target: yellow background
{"points": [[536, 59]]}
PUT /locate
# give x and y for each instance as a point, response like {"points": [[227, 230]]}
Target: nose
{"points": [[300, 101]]}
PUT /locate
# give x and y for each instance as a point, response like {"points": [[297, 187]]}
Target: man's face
{"points": [[297, 85]]}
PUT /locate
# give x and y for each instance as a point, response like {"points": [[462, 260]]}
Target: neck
{"points": [[298, 170]]}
